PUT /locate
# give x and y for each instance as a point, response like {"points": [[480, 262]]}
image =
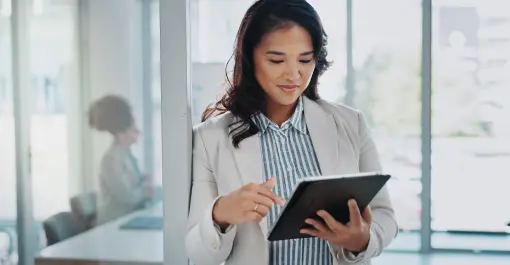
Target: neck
{"points": [[279, 113], [120, 142]]}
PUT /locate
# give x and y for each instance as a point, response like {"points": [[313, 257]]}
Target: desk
{"points": [[107, 244]]}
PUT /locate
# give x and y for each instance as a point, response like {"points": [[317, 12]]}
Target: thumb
{"points": [[367, 215], [269, 184]]}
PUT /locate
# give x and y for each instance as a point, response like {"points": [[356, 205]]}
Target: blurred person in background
{"points": [[123, 187]]}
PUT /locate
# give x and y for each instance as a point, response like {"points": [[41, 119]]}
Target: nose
{"points": [[292, 72]]}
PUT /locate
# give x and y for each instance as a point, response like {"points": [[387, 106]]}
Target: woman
{"points": [[123, 188], [269, 130]]}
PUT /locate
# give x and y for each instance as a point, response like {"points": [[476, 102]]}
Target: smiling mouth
{"points": [[288, 88]]}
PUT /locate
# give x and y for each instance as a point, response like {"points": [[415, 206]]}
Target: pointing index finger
{"points": [[265, 189]]}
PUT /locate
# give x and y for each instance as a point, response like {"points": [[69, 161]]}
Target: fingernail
{"points": [[302, 231]]}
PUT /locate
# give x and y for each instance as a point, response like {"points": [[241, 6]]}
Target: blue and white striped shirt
{"points": [[288, 154]]}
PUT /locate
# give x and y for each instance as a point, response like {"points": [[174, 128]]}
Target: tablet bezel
{"points": [[313, 179]]}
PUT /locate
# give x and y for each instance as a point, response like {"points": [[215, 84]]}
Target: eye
{"points": [[305, 61], [276, 61]]}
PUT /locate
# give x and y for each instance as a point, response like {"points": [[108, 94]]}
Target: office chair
{"points": [[84, 206], [7, 245], [62, 226]]}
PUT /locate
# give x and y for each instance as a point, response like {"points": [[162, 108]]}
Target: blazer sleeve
{"points": [[205, 243], [384, 227]]}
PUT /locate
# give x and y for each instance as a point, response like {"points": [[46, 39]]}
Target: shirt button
{"points": [[289, 169]]}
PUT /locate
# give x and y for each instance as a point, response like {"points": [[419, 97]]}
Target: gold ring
{"points": [[255, 208]]}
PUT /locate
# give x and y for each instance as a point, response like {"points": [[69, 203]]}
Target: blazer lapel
{"points": [[322, 129], [331, 142], [249, 164], [249, 160]]}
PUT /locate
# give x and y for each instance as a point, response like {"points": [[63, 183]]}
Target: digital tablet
{"points": [[329, 193]]}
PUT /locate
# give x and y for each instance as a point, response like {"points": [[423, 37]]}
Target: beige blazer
{"points": [[343, 144]]}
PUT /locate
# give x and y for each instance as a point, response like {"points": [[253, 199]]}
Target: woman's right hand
{"points": [[250, 203]]}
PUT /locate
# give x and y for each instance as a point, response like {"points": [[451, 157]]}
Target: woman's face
{"points": [[129, 136], [284, 64]]}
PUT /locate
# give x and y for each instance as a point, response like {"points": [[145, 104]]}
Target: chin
{"points": [[287, 100], [282, 98]]}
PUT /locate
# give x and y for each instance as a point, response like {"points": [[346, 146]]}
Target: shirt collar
{"points": [[296, 120]]}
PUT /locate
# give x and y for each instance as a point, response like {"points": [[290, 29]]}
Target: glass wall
{"points": [[92, 183], [53, 68], [214, 28], [386, 61], [7, 146], [470, 125]]}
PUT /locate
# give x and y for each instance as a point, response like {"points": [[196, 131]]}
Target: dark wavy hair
{"points": [[244, 97]]}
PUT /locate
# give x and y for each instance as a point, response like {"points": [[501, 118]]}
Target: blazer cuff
{"points": [[351, 258], [211, 232], [227, 231]]}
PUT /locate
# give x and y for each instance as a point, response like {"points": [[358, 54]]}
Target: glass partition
{"points": [[386, 61], [470, 125], [8, 247]]}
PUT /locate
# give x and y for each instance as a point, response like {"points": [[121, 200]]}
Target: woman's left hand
{"points": [[354, 236]]}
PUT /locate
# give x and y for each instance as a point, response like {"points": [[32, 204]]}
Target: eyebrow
{"points": [[281, 53]]}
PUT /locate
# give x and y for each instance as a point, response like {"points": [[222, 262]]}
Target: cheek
{"points": [[134, 135], [306, 74], [267, 74]]}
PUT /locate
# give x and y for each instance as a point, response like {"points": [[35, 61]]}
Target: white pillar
{"points": [[20, 69], [176, 125]]}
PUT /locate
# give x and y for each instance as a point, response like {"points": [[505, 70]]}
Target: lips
{"points": [[288, 88]]}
